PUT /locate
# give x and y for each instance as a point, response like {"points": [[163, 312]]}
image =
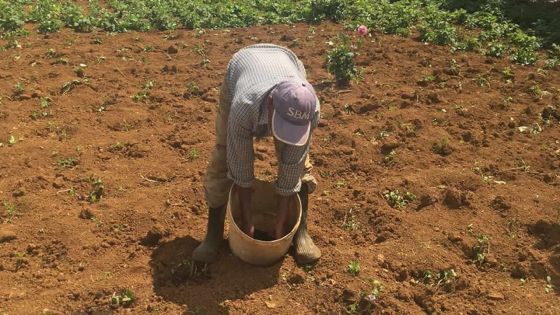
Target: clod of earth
{"points": [[154, 235], [455, 198], [6, 235]]}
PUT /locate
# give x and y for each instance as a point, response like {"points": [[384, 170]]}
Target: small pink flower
{"points": [[362, 30]]}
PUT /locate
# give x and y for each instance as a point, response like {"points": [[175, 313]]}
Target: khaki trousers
{"points": [[216, 182]]}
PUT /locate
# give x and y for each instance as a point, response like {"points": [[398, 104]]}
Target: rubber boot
{"points": [[306, 252], [207, 251]]}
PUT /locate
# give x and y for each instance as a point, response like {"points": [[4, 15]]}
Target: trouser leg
{"points": [[305, 251], [216, 185]]}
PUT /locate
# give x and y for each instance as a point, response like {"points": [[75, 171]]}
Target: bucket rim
{"points": [[261, 242]]}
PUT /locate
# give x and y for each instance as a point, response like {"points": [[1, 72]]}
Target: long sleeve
{"points": [[240, 155]]}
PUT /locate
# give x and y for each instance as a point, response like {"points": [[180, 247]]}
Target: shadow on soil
{"points": [[227, 279], [549, 235]]}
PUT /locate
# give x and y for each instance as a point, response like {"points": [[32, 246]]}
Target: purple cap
{"points": [[294, 104]]}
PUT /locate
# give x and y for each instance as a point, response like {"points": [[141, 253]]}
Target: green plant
{"points": [[144, 93], [442, 147], [536, 92], [125, 298], [549, 287], [482, 81], [12, 140], [19, 88], [389, 158], [340, 62], [80, 70], [396, 199], [192, 89], [353, 268], [97, 189], [189, 269], [350, 222], [507, 75], [201, 51], [481, 249], [68, 162], [194, 154], [446, 276], [69, 86], [10, 209]]}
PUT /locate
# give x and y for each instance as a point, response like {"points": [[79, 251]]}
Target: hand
{"points": [[245, 195], [285, 207]]}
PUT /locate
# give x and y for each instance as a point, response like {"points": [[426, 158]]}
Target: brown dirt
{"points": [[61, 253]]}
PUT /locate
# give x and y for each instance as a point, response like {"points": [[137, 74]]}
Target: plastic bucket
{"points": [[263, 216]]}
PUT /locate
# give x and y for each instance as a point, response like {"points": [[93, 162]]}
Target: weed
{"points": [[97, 190], [189, 269], [69, 86], [482, 81], [10, 209], [45, 102], [442, 147], [481, 249], [194, 154], [425, 81], [549, 287], [201, 51], [350, 222], [536, 92], [144, 93], [348, 109], [61, 132], [507, 75], [446, 276], [12, 140], [396, 199], [383, 134], [68, 162], [125, 299], [389, 158], [353, 268], [192, 89], [80, 70], [19, 88]]}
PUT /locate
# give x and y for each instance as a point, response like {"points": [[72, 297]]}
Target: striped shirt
{"points": [[251, 74]]}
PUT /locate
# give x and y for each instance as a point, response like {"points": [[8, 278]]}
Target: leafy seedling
{"points": [[350, 222], [10, 209], [481, 249], [97, 190], [19, 88], [124, 299], [194, 154], [187, 270], [353, 268], [12, 140], [396, 199], [68, 162], [69, 86]]}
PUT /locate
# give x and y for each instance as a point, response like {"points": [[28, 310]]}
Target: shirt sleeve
{"points": [[291, 161], [240, 155]]}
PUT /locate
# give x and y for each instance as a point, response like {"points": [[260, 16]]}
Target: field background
{"points": [[106, 128]]}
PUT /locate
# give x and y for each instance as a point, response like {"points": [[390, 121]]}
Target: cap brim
{"points": [[289, 133]]}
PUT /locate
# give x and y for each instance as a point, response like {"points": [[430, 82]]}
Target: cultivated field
{"points": [[439, 175]]}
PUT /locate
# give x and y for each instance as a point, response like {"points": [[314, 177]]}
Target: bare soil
{"points": [[468, 141]]}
